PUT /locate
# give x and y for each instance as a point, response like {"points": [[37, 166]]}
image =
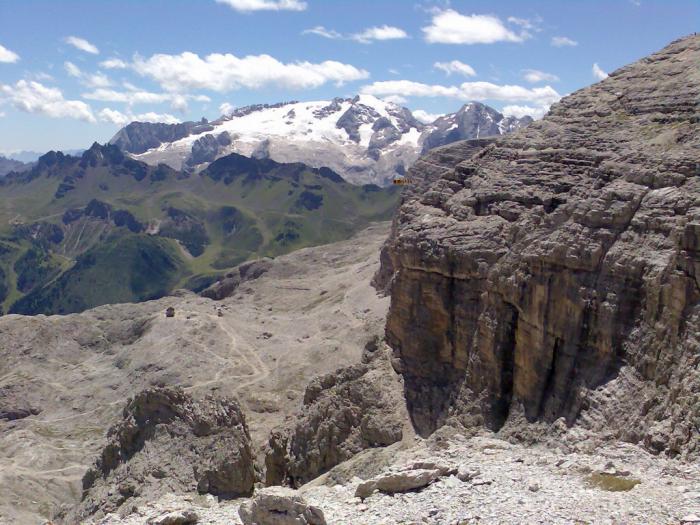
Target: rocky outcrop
{"points": [[426, 170], [138, 137], [353, 409], [279, 506], [169, 442], [208, 148], [228, 284], [555, 274]]}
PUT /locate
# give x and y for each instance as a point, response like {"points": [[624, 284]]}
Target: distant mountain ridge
{"points": [[364, 139], [77, 232], [8, 165]]}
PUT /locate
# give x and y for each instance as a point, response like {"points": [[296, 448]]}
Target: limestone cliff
{"points": [[555, 273]]}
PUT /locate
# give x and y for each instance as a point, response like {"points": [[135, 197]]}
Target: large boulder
{"points": [[279, 506], [169, 442], [555, 273]]}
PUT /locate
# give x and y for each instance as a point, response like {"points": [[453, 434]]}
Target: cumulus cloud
{"points": [[247, 6], [93, 80], [598, 73], [455, 66], [226, 72], [384, 32], [525, 111], [451, 27], [226, 108], [122, 119], [563, 41], [467, 91], [34, 97], [425, 117], [114, 63], [535, 76], [322, 31], [82, 44], [7, 56], [133, 96]]}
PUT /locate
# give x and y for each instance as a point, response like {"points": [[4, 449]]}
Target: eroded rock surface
{"points": [[168, 442], [352, 409], [555, 274]]}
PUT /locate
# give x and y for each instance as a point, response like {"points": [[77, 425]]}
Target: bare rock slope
{"points": [[64, 380], [555, 274]]}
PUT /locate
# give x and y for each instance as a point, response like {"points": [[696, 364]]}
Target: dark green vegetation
{"points": [[76, 232]]}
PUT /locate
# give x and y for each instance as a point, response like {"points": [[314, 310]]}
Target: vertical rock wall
{"points": [[555, 273]]}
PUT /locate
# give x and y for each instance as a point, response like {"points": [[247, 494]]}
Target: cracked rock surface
{"points": [[555, 273]]}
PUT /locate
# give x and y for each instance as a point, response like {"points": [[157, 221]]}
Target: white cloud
{"points": [[97, 80], [367, 36], [226, 108], [396, 99], [72, 69], [7, 56], [94, 80], [526, 23], [534, 76], [82, 44], [598, 73], [455, 66], [34, 97], [322, 31], [122, 119], [226, 72], [128, 97], [467, 91], [522, 111], [134, 95], [425, 117], [563, 41], [451, 27], [246, 6], [384, 32], [2, 114], [114, 63]]}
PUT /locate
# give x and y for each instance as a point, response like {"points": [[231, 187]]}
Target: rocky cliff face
{"points": [[555, 273], [169, 442]]}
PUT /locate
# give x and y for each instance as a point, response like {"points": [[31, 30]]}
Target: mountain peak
{"points": [[364, 138]]}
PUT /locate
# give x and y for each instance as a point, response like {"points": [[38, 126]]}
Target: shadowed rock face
{"points": [[555, 273]]}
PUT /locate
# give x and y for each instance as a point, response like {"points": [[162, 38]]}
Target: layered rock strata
{"points": [[555, 273]]}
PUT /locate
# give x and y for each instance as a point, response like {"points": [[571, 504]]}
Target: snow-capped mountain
{"points": [[365, 139], [472, 121]]}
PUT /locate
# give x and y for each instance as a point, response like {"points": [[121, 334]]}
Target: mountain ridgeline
{"points": [[364, 139], [77, 232]]}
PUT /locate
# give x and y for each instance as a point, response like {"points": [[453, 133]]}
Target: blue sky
{"points": [[72, 72]]}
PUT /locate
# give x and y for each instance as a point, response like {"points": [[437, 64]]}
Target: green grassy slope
{"points": [[69, 210]]}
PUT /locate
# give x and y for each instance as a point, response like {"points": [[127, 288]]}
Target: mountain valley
{"points": [[103, 228], [237, 322]]}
